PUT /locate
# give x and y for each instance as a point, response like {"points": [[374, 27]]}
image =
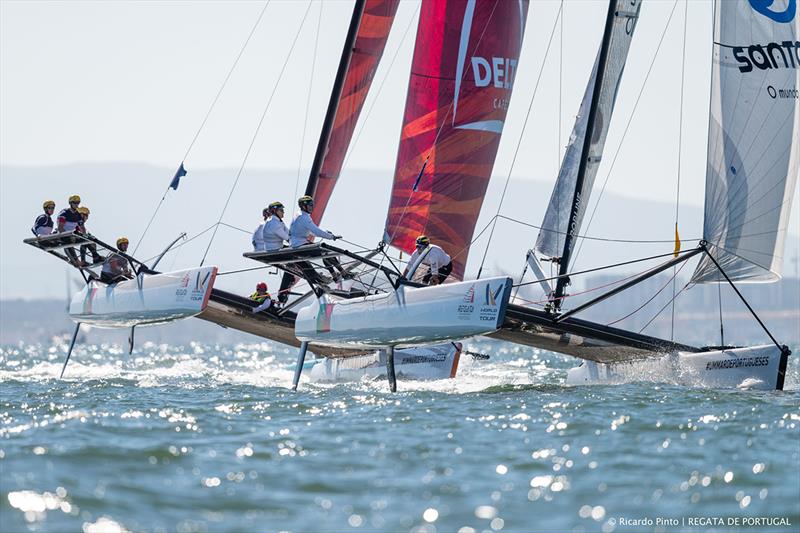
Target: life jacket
{"points": [[260, 297]]}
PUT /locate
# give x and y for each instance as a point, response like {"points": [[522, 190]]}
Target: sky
{"points": [[131, 81]]}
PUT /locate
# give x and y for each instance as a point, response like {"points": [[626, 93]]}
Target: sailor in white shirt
{"points": [[303, 229], [275, 232], [435, 257], [258, 239]]}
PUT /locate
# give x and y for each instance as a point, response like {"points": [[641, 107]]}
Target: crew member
{"points": [[435, 257], [44, 222], [275, 233], [115, 267], [91, 248], [262, 297], [258, 238], [68, 220], [303, 231], [275, 236]]}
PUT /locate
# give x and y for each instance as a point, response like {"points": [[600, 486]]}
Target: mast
{"points": [[587, 141], [333, 103]]}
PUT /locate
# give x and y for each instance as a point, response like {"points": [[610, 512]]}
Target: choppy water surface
{"points": [[200, 438]]}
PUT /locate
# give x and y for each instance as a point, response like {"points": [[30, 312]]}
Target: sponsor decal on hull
{"points": [[324, 317], [740, 362]]}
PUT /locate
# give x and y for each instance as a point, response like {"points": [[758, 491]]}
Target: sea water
{"points": [[211, 438]]}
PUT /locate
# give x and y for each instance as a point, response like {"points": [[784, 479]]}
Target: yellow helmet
{"points": [[83, 210], [305, 200], [122, 240], [75, 199], [422, 241], [48, 203]]}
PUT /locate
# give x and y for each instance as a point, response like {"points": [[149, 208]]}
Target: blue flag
{"points": [[177, 179]]}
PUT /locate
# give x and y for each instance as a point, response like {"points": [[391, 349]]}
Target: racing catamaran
{"points": [[463, 70], [752, 173]]}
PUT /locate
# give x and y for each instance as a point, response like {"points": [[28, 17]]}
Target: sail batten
{"points": [[556, 224], [753, 139], [462, 76]]}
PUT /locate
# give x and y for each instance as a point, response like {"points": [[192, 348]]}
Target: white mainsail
{"points": [[753, 139], [556, 220]]}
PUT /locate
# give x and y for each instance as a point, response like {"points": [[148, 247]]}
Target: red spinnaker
{"points": [[462, 75], [373, 32]]}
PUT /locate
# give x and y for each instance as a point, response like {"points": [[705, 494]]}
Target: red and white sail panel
{"points": [[462, 75]]}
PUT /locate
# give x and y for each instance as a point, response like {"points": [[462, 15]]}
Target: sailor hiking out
{"points": [[115, 267], [258, 239], [43, 225], [275, 233], [261, 297], [437, 260]]}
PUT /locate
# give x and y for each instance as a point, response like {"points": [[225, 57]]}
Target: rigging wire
{"points": [[519, 140], [659, 291], [665, 306], [606, 267], [255, 134], [588, 238], [627, 126], [308, 106], [205, 119], [680, 151]]}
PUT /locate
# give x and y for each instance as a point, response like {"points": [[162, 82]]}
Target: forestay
{"points": [[462, 76], [753, 139], [556, 220]]}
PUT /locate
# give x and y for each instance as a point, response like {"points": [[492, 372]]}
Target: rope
{"points": [[205, 119], [255, 134], [308, 106], [601, 239], [623, 263], [671, 280], [627, 127], [664, 307], [519, 140], [680, 150]]}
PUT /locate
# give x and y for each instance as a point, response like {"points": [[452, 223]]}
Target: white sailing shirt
{"points": [[274, 234], [433, 256], [258, 239], [303, 230]]}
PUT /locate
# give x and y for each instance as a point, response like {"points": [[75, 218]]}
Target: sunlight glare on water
{"points": [[211, 438]]}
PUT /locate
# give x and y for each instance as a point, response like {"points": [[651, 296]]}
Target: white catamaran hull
{"points": [[757, 367], [409, 316], [145, 300], [422, 364]]}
